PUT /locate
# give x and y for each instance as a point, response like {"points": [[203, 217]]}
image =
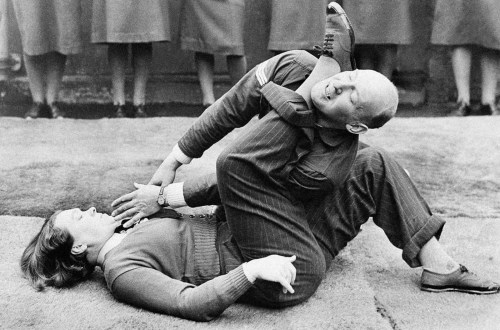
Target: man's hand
{"points": [[165, 174], [273, 268], [138, 204]]}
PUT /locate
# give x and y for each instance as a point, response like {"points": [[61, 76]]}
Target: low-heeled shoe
{"points": [[139, 111], [460, 280], [462, 111], [487, 109], [34, 111], [120, 111], [56, 112]]}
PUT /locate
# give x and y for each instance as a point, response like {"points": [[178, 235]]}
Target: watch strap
{"points": [[162, 200]]}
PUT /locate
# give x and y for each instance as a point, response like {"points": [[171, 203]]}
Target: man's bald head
{"points": [[362, 98], [378, 100]]}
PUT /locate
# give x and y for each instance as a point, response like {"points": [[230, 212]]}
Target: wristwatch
{"points": [[162, 200]]}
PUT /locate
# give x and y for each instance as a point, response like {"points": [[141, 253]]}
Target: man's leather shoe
{"points": [[460, 280], [339, 37]]}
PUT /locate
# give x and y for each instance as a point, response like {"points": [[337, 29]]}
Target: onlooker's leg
{"points": [[387, 59], [35, 68], [117, 58], [237, 67], [461, 59], [56, 62], [490, 62], [205, 66], [142, 54]]}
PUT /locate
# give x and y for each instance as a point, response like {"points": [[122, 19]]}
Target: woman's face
{"points": [[88, 227]]}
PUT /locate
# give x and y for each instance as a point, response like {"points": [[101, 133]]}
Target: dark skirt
{"points": [[130, 21], [466, 22], [213, 26], [49, 25], [380, 21], [297, 24]]}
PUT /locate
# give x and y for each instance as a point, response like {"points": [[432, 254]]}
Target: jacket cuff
{"points": [[180, 156], [175, 195]]}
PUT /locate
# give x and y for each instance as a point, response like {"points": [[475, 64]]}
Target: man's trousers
{"points": [[265, 218]]}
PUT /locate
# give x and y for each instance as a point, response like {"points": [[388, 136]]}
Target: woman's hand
{"points": [[273, 268], [136, 205], [165, 174]]}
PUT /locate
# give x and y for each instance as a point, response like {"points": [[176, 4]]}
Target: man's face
{"points": [[87, 227], [346, 97]]}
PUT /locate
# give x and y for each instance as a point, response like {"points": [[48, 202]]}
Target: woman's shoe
{"points": [[56, 112], [462, 111], [34, 111], [139, 111], [120, 111], [487, 109]]}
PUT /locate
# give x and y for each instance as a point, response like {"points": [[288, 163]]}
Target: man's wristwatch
{"points": [[162, 200]]}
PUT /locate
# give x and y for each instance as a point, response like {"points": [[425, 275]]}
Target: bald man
{"points": [[304, 145], [298, 182]]}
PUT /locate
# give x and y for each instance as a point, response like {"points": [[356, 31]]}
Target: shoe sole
{"points": [[453, 289], [337, 8]]}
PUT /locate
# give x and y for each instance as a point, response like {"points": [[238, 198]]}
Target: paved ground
{"points": [[47, 164]]}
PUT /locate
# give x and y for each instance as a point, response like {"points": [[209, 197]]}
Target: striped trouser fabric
{"points": [[265, 218]]}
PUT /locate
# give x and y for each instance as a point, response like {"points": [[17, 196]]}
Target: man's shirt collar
{"points": [[292, 107]]}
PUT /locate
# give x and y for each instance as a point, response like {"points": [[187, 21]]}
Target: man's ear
{"points": [[356, 128], [78, 249]]}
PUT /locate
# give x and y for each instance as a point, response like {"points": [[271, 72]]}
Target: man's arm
{"points": [[244, 101], [197, 191], [235, 109], [142, 202]]}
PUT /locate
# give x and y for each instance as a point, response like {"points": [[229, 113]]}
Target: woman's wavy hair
{"points": [[47, 260]]}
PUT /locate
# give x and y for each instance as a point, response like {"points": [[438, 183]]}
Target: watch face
{"points": [[161, 200]]}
